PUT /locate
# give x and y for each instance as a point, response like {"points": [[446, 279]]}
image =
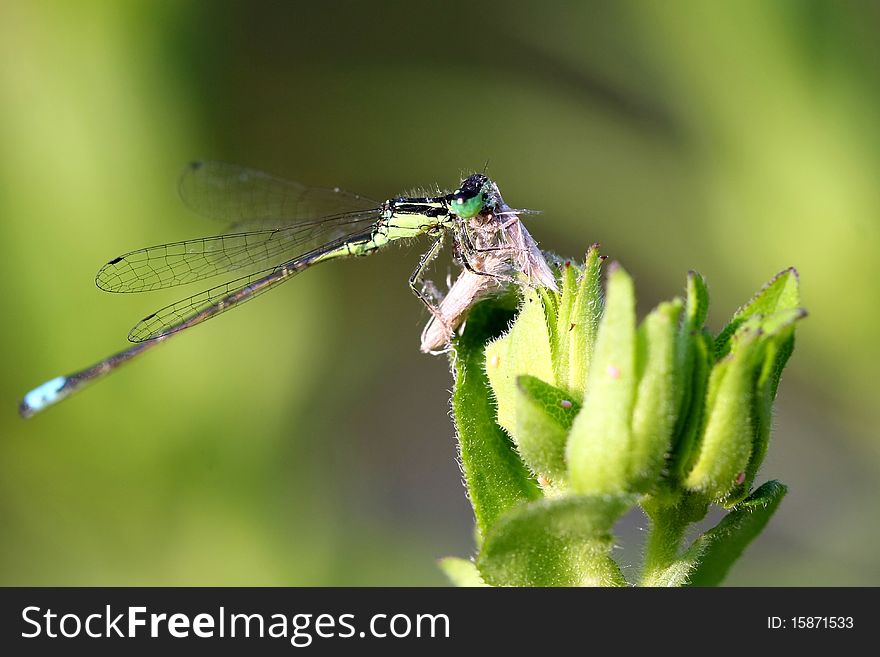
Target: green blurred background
{"points": [[305, 440]]}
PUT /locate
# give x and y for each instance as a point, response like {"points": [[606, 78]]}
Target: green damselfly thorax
{"points": [[279, 229]]}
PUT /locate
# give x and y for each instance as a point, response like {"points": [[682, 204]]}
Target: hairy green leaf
{"points": [[554, 542], [544, 415], [524, 349], [496, 477], [715, 552], [780, 293]]}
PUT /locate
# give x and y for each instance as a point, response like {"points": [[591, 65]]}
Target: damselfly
{"points": [[279, 229]]}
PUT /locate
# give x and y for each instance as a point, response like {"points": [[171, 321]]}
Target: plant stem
{"points": [[668, 525]]}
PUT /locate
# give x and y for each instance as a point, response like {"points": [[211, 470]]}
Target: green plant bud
{"points": [[560, 344], [593, 414], [693, 404], [694, 355], [600, 442], [726, 443], [583, 324], [775, 307], [778, 339], [697, 303], [657, 394]]}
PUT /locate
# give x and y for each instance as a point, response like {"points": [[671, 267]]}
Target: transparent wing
{"points": [[209, 303], [178, 263], [247, 198]]}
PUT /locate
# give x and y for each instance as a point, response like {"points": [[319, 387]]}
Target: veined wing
{"points": [[207, 304], [178, 263], [244, 197]]}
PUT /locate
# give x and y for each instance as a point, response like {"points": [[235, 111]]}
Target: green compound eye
{"points": [[466, 205]]}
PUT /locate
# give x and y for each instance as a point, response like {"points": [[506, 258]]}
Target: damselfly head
{"points": [[469, 199]]}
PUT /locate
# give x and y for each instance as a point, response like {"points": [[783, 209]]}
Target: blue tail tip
{"points": [[42, 396]]}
